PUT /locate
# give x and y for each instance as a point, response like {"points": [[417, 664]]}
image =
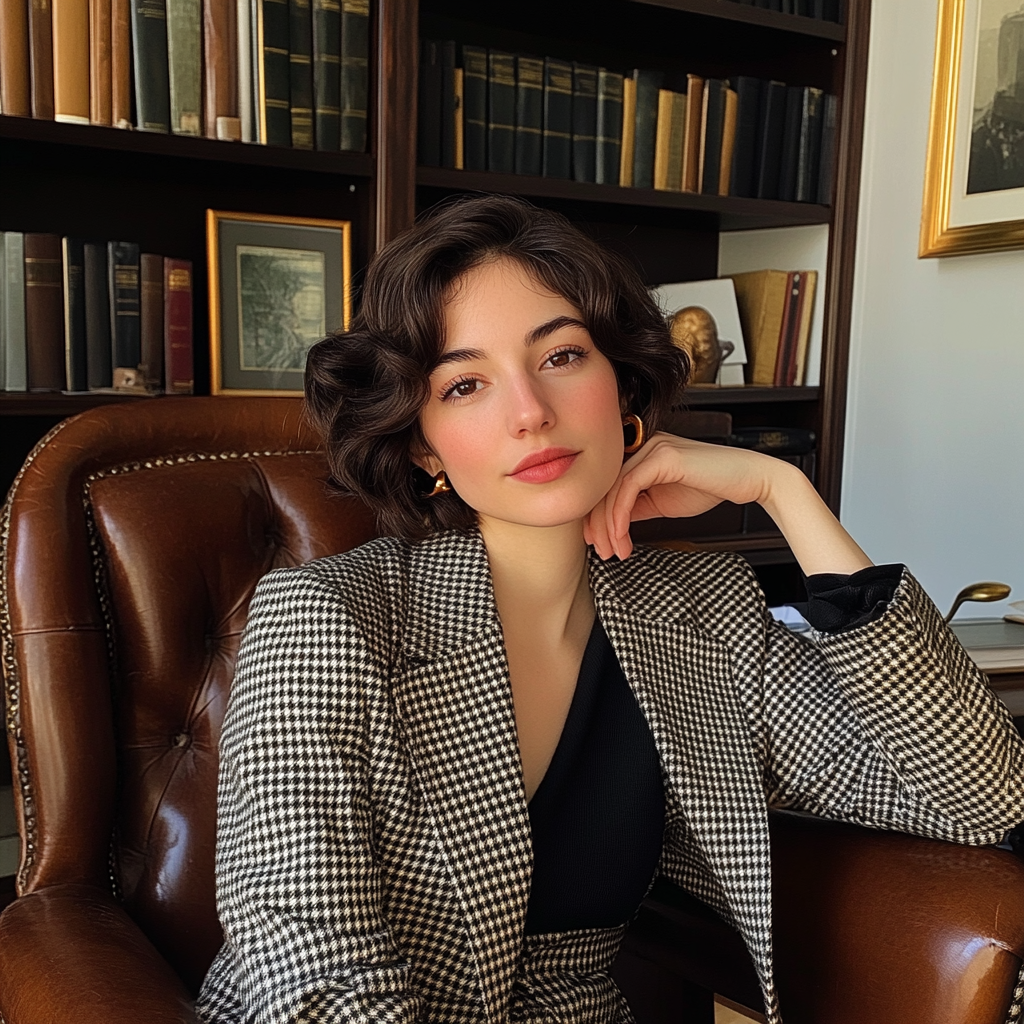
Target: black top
{"points": [[598, 816]]}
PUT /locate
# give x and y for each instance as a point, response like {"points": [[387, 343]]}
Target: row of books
{"points": [[823, 10], [488, 110], [279, 72], [92, 316]]}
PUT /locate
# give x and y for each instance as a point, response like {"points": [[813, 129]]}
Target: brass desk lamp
{"points": [[979, 592]]}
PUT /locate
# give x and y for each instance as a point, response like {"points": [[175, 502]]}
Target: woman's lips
{"points": [[544, 466]]}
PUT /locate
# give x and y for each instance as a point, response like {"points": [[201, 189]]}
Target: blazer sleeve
{"points": [[298, 889], [891, 725]]}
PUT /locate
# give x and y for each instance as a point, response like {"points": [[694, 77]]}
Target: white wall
{"points": [[934, 468]]}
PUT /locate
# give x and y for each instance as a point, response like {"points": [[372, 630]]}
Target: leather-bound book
{"points": [[692, 136], [220, 71], [556, 159], [327, 75], [668, 141], [791, 143], [761, 299], [248, 102], [15, 95], [501, 111], [446, 57], [584, 122], [529, 115], [149, 61], [97, 316], [474, 116], [40, 37], [273, 73], [44, 312], [185, 65], [300, 64], [178, 326], [15, 378], [3, 319], [121, 63], [355, 73], [809, 158], [151, 320], [827, 167], [100, 71], [743, 173], [789, 331], [609, 127], [648, 83], [728, 141], [428, 114], [75, 364], [123, 269], [459, 83], [712, 126], [628, 132], [71, 61], [769, 140]]}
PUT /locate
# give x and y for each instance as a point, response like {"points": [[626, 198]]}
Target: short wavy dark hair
{"points": [[365, 387]]}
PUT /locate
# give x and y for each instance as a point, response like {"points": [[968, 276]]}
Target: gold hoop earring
{"points": [[634, 421], [441, 485]]}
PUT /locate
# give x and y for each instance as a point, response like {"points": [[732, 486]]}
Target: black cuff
{"points": [[837, 603]]}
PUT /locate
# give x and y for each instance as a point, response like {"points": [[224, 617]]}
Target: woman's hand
{"points": [[675, 477]]}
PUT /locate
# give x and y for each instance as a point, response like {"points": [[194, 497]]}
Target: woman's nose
{"points": [[529, 410]]}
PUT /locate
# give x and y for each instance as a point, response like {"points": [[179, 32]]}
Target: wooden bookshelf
{"points": [[728, 10]]}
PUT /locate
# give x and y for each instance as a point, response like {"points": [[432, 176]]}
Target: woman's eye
{"points": [[462, 388], [565, 357]]}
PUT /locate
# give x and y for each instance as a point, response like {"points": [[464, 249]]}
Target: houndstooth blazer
{"points": [[374, 856]]}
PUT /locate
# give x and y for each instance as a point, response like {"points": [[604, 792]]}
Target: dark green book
{"points": [[744, 154], [300, 79], [609, 127], [791, 143], [474, 108], [713, 123], [149, 61], [556, 161], [501, 111], [647, 85], [125, 305], [446, 57], [529, 115], [75, 367], [274, 72], [809, 157], [584, 122], [769, 139], [428, 114], [97, 316], [355, 73], [327, 75]]}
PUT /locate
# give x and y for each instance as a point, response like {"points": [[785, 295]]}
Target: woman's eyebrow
{"points": [[538, 333]]}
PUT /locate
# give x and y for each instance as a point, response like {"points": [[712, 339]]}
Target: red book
{"points": [[44, 312], [178, 326]]}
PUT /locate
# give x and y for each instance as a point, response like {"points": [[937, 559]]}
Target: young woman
{"points": [[456, 758]]}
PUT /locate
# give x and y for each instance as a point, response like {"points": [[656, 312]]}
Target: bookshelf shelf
{"points": [[723, 213], [732, 11], [698, 396], [80, 136], [55, 403]]}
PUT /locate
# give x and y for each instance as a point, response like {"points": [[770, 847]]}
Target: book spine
{"points": [[647, 85], [327, 75], [474, 120], [121, 63], [798, 365], [14, 311], [3, 313], [627, 152], [556, 159], [691, 139], [40, 32], [355, 73], [446, 59], [300, 65], [97, 316], [788, 331], [460, 127], [100, 68], [15, 92], [71, 61], [676, 139], [246, 105], [501, 111], [789, 160], [728, 141], [220, 70], [123, 268], [44, 312], [712, 125], [178, 326], [743, 173], [75, 368], [274, 73], [529, 115], [184, 66], [769, 143], [149, 60], [662, 137], [584, 122], [428, 114], [609, 127], [151, 320], [809, 159], [826, 169]]}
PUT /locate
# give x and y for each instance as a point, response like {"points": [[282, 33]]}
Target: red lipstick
{"points": [[544, 466]]}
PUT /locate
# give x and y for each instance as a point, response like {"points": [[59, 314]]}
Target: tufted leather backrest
{"points": [[134, 539]]}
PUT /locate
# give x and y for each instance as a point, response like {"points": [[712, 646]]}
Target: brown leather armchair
{"points": [[132, 541]]}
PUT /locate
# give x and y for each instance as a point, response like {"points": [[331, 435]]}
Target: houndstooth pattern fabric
{"points": [[374, 857]]}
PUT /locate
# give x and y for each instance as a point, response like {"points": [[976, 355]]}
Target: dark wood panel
{"points": [[748, 394], [732, 11]]}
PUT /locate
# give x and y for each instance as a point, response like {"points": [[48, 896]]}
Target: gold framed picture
{"points": [[277, 286], [974, 176]]}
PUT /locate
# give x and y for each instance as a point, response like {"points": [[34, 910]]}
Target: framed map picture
{"points": [[974, 177], [277, 286]]}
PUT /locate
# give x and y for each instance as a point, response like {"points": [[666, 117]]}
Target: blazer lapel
{"points": [[455, 705]]}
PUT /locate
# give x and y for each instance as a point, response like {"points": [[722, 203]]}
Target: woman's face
{"points": [[523, 413]]}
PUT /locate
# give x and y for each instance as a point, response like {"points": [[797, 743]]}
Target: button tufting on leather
{"points": [[181, 740]]}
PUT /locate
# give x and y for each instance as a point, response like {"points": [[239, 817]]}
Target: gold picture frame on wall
{"points": [[974, 175], [277, 285]]}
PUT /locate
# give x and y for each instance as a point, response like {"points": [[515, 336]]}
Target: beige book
{"points": [[761, 298], [691, 137], [806, 315], [728, 142], [662, 139], [628, 132], [460, 137], [71, 61]]}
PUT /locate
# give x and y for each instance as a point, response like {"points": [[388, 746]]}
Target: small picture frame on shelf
{"points": [[277, 286]]}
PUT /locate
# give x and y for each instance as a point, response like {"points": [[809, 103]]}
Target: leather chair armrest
{"points": [[71, 952]]}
